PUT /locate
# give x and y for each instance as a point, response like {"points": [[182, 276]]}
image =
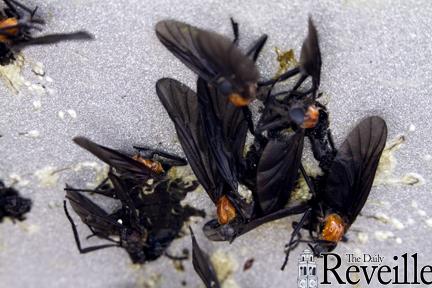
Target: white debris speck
{"points": [[412, 179], [72, 113], [429, 222], [421, 213], [32, 134], [61, 115], [363, 237], [50, 91], [47, 176], [398, 240], [245, 193], [37, 88], [428, 157], [414, 204], [397, 224], [37, 104], [38, 69], [383, 235], [120, 221], [29, 228], [49, 79], [18, 180], [27, 83], [412, 128], [382, 217], [410, 221]]}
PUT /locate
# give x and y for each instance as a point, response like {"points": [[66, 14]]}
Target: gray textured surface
{"points": [[376, 60]]}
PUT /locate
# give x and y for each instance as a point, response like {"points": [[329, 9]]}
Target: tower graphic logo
{"points": [[307, 272]]}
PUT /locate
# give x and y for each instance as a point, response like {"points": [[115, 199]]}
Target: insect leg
{"points": [[11, 3], [293, 234], [284, 76], [331, 141], [308, 180], [248, 116], [76, 236], [256, 47], [185, 256], [235, 27], [150, 153], [110, 193]]}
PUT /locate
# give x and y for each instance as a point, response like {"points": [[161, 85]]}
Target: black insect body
{"points": [[150, 216], [182, 105], [203, 266], [17, 22], [183, 108], [214, 58], [12, 205], [298, 108], [344, 190]]}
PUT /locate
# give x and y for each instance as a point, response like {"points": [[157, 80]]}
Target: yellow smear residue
{"points": [[387, 164], [225, 265], [286, 60], [11, 74]]}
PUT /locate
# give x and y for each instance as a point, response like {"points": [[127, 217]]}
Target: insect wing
{"points": [[181, 104], [202, 265], [310, 57], [208, 54], [278, 171], [91, 214], [352, 173], [123, 164]]}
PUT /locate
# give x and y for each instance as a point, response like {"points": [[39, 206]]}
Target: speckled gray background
{"points": [[376, 60]]}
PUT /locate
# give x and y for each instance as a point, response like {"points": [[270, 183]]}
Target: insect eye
{"points": [[225, 87], [297, 115]]}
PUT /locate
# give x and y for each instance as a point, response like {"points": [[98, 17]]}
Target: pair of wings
{"points": [[122, 163], [277, 169], [351, 175], [210, 55]]}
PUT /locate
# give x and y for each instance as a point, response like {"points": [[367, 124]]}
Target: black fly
{"points": [[183, 108], [12, 205], [150, 216], [342, 192], [16, 25]]}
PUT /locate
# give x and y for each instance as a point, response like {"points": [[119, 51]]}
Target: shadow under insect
{"points": [[150, 216], [12, 205], [17, 23]]}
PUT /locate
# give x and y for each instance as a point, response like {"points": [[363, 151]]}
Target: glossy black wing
{"points": [[122, 163], [91, 214], [208, 54], [278, 171], [202, 265], [181, 104], [226, 127], [352, 173], [310, 57]]}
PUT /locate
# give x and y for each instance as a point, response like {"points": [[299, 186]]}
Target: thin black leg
{"points": [[308, 180], [257, 47], [150, 153], [284, 76], [76, 236], [293, 234], [235, 27]]}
